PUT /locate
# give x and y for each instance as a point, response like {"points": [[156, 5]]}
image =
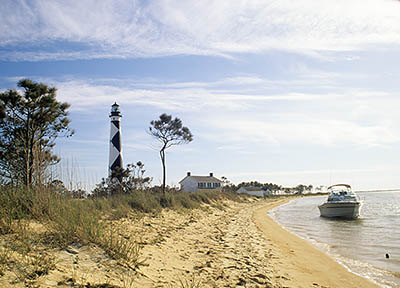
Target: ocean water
{"points": [[360, 245]]}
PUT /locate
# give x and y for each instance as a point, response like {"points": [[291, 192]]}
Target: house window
{"points": [[209, 185]]}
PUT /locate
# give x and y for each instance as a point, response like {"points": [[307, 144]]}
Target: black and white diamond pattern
{"points": [[115, 159]]}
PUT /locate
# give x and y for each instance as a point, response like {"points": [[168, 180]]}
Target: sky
{"points": [[288, 92]]}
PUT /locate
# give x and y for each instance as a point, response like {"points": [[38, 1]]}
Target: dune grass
{"points": [[65, 221]]}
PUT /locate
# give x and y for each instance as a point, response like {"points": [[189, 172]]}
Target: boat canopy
{"points": [[345, 185], [341, 193]]}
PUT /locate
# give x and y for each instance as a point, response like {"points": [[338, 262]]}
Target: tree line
{"points": [[274, 188]]}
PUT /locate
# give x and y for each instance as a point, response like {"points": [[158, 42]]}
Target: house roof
{"points": [[203, 179], [251, 188]]}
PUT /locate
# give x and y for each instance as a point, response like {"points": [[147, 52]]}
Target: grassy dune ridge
{"points": [[36, 222]]}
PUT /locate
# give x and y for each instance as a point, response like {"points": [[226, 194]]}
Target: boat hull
{"points": [[349, 210]]}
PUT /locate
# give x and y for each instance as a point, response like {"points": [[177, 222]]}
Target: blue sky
{"points": [[274, 91]]}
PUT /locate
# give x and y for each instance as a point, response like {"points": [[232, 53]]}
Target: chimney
{"points": [[211, 174], [188, 173]]}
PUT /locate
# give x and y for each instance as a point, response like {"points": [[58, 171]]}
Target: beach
{"points": [[226, 245], [241, 246]]}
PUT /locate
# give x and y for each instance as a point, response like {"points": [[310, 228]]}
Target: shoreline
{"points": [[304, 264], [224, 244]]}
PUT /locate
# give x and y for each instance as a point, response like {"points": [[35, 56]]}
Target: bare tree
{"points": [[169, 132]]}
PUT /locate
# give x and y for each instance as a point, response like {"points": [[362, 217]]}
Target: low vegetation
{"points": [[34, 220]]}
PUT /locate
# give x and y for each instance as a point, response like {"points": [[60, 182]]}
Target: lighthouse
{"points": [[115, 159]]}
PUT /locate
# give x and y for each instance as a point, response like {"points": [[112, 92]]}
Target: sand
{"points": [[230, 245], [241, 246]]}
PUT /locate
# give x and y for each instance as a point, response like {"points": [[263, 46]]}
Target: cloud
{"points": [[290, 129], [263, 117], [354, 118], [186, 96], [120, 29], [231, 93], [222, 112]]}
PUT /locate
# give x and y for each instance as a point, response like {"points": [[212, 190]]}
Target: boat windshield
{"points": [[341, 193]]}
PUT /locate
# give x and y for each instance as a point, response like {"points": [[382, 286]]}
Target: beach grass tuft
{"points": [[193, 282]]}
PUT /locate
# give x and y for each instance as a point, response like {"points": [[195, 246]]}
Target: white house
{"points": [[269, 192], [194, 183], [255, 191]]}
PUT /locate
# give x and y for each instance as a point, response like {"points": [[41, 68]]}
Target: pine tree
{"points": [[30, 122], [169, 132]]}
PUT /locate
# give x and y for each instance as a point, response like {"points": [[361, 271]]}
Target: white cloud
{"points": [[353, 118], [83, 95], [349, 116], [291, 129], [146, 29]]}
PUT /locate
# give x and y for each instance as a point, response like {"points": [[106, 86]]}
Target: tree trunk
{"points": [[162, 155], [31, 163], [29, 152], [28, 161]]}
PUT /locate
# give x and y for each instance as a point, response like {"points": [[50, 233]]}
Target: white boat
{"points": [[342, 203]]}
